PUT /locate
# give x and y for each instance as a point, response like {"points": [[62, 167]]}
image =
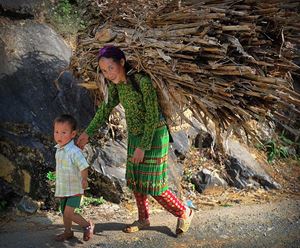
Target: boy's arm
{"points": [[80, 162], [84, 176]]}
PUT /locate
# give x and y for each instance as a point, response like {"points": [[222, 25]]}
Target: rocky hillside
{"points": [[37, 39]]}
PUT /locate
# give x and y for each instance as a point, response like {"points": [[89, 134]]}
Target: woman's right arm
{"points": [[101, 116]]}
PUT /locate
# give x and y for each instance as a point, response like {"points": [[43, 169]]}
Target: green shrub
{"points": [[279, 148], [66, 18], [51, 176], [3, 205], [92, 201], [89, 201]]}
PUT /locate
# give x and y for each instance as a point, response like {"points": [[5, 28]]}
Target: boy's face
{"points": [[63, 133]]}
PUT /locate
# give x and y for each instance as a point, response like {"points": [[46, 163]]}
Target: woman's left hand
{"points": [[138, 156]]}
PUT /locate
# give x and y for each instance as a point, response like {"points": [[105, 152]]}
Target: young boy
{"points": [[71, 177]]}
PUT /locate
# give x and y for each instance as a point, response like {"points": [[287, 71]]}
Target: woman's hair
{"points": [[65, 118], [114, 53]]}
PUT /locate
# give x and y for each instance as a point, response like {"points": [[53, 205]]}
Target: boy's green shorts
{"points": [[71, 201]]}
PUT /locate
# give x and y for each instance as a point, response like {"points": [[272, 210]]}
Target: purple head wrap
{"points": [[112, 52]]}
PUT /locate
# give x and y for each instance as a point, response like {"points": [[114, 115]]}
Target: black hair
{"points": [[66, 118], [116, 54], [111, 52]]}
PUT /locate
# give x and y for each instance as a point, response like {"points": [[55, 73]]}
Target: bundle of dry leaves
{"points": [[227, 62]]}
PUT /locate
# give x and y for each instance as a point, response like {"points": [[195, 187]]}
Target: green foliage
{"points": [[67, 18], [188, 174], [275, 150], [192, 186], [3, 205], [64, 8], [87, 201], [51, 180], [92, 201], [51, 176], [279, 148], [78, 210]]}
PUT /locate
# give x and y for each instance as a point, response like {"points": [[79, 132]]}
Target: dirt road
{"points": [[275, 224]]}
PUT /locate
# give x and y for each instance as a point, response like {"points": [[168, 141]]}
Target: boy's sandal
{"points": [[183, 225], [136, 226], [88, 231], [64, 236]]}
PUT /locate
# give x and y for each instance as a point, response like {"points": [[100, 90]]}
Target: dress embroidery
{"points": [[141, 109]]}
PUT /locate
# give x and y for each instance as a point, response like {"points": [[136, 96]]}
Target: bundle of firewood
{"points": [[226, 61]]}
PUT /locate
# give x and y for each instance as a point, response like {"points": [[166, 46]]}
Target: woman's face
{"points": [[112, 70]]}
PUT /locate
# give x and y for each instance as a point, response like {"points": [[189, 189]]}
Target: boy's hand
{"points": [[84, 183], [138, 156]]}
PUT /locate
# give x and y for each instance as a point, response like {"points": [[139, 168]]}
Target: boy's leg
{"points": [[67, 222], [70, 216], [69, 213], [67, 234]]}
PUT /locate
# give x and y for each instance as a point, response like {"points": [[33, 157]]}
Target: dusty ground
{"points": [[225, 218], [275, 224]]}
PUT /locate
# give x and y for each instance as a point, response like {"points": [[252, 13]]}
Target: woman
{"points": [[148, 138]]}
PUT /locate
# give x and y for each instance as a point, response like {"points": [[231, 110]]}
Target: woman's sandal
{"points": [[136, 226], [183, 225], [64, 236], [88, 231]]}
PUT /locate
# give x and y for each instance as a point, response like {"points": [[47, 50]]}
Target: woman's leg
{"points": [[142, 205], [143, 210], [171, 203]]}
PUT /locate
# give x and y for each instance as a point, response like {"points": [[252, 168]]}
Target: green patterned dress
{"points": [[146, 131]]}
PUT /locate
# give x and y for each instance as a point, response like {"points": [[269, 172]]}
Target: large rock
{"points": [[27, 8], [182, 141], [207, 179], [244, 170], [9, 195], [32, 56], [108, 176]]}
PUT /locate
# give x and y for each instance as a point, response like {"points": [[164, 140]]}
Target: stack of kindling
{"points": [[226, 61]]}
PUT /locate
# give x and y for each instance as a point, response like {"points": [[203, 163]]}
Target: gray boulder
{"points": [[27, 8], [244, 171], [207, 179], [32, 56]]}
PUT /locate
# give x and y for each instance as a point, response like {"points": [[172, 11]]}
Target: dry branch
{"points": [[226, 61]]}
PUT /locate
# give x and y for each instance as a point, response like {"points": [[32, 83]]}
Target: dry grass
{"points": [[228, 62]]}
